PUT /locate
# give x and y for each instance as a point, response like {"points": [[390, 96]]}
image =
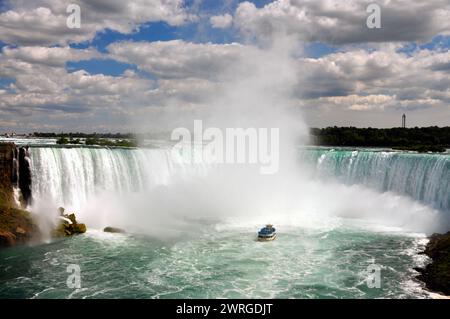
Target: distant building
{"points": [[403, 120]]}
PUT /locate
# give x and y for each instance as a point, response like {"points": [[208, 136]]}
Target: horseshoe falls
{"points": [[72, 175], [191, 227], [424, 177]]}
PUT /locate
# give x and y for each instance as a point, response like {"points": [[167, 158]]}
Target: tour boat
{"points": [[267, 233]]}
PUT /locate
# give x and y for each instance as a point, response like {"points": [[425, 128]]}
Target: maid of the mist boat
{"points": [[267, 233]]}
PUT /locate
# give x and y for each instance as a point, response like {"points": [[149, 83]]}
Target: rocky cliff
{"points": [[16, 224], [436, 274]]}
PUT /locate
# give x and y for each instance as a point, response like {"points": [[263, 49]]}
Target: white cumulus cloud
{"points": [[221, 21]]}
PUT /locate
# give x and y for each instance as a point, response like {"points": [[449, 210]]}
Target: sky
{"points": [[145, 59]]}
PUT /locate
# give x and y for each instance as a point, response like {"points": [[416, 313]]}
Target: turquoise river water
{"points": [[356, 210]]}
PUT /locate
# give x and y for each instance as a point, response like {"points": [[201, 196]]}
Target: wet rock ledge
{"points": [[436, 275], [68, 225]]}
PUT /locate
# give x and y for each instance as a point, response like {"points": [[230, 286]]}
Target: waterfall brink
{"points": [[71, 176], [424, 177]]}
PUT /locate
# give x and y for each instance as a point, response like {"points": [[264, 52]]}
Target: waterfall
{"points": [[126, 188], [424, 177], [70, 176]]}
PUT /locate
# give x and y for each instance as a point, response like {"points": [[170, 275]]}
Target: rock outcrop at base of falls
{"points": [[110, 229], [436, 274], [68, 225]]}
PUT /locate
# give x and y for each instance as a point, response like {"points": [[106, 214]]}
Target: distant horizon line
{"points": [[8, 132]]}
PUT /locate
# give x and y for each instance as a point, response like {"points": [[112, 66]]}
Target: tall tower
{"points": [[403, 120]]}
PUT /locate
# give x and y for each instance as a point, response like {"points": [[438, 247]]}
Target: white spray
{"points": [[256, 92]]}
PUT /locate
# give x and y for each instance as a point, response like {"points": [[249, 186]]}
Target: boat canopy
{"points": [[267, 230]]}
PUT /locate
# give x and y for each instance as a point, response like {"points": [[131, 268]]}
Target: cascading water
{"points": [[70, 176], [135, 188], [424, 177]]}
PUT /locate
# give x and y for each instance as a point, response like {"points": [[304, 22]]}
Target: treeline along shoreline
{"points": [[421, 139]]}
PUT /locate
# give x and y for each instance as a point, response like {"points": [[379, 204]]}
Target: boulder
{"points": [[72, 218], [79, 228], [68, 225], [113, 230]]}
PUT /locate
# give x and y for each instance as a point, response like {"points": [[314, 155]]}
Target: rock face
{"points": [[15, 171], [436, 275], [113, 230], [25, 174], [7, 155], [16, 227], [68, 225]]}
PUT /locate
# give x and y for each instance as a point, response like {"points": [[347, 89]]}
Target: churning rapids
{"points": [[191, 227]]}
